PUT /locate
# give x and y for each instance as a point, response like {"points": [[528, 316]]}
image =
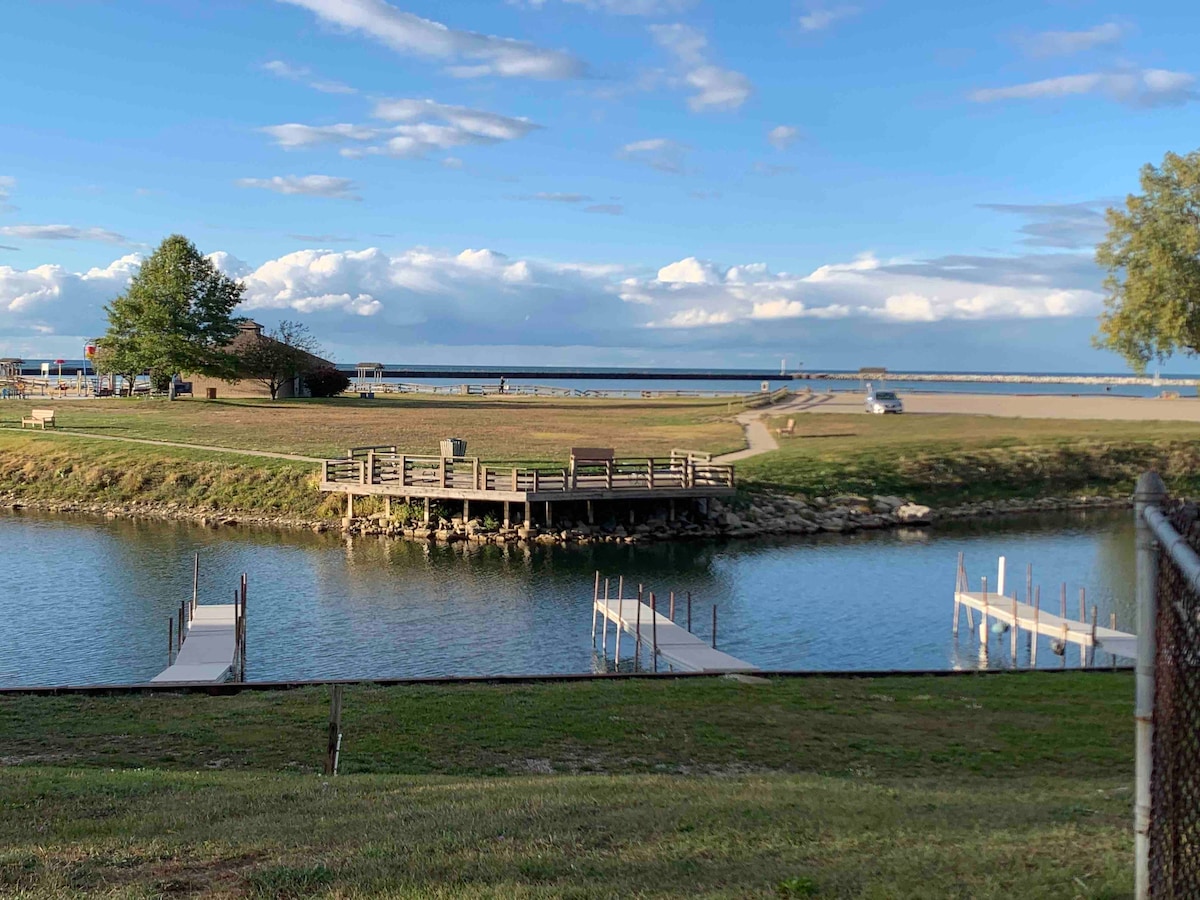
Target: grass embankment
{"points": [[996, 786], [952, 459]]}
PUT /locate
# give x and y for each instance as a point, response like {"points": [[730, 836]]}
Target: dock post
{"points": [[387, 505], [507, 520], [1012, 638], [335, 729], [549, 515], [1092, 649], [243, 632], [672, 616], [689, 611], [958, 585], [179, 634], [466, 511], [1000, 573], [349, 507], [638, 629], [595, 598], [1062, 602], [170, 639], [591, 513], [983, 639], [1083, 653], [195, 582], [714, 627], [604, 635], [528, 514], [1112, 623], [1029, 584], [1033, 638], [427, 511], [654, 631]]}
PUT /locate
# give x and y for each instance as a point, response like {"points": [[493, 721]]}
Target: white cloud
{"points": [[1139, 88], [715, 88], [282, 69], [1065, 43], [820, 18], [662, 154], [62, 233], [425, 126], [7, 183], [311, 185], [783, 136], [476, 54], [480, 296]]}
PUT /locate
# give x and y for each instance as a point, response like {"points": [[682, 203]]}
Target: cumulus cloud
{"points": [[479, 296], [662, 154], [425, 126], [819, 18], [1138, 88], [1066, 43], [715, 88], [472, 53], [782, 136], [310, 185], [63, 233], [281, 69]]}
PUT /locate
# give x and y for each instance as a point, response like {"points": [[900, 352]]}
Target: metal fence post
{"points": [[1150, 492]]}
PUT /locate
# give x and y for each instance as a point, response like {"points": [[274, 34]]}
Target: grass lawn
{"points": [[954, 458], [500, 429], [998, 786]]}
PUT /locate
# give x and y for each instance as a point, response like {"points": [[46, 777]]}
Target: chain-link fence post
{"points": [[1150, 492]]}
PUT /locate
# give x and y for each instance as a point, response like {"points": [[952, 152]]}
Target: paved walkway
{"points": [[759, 439], [208, 447]]}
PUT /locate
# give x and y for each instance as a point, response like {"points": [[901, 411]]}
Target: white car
{"points": [[881, 402]]}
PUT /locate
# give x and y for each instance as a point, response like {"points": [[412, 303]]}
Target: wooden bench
{"points": [[789, 428], [39, 417]]}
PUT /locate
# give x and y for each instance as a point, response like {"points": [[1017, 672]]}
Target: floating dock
{"points": [[209, 649], [1015, 615], [658, 633], [208, 645]]}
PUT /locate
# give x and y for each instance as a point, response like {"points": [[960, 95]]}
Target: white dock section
{"points": [[1016, 614], [676, 645], [209, 648]]}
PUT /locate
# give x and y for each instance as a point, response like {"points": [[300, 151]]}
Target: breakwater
{"points": [[1004, 378]]}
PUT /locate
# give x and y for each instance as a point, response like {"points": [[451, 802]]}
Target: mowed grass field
{"points": [[993, 786], [955, 458], [500, 429]]}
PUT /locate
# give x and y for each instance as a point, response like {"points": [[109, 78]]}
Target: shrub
{"points": [[326, 382]]}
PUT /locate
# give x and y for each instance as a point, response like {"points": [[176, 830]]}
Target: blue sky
{"points": [[664, 182]]}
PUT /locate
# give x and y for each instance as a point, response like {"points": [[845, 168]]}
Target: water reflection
{"points": [[91, 597]]}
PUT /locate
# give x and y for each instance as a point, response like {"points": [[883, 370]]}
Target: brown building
{"points": [[249, 387]]}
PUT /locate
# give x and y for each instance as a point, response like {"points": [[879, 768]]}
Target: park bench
{"points": [[789, 428], [39, 417]]}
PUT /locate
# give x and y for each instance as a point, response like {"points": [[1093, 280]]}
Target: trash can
{"points": [[453, 447], [210, 393]]}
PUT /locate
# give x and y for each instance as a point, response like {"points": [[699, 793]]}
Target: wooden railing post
{"points": [[650, 473], [475, 473], [402, 464], [608, 474], [442, 472], [536, 480], [516, 480], [370, 479], [362, 472], [325, 470]]}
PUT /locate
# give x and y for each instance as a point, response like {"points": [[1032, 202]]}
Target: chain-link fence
{"points": [[1174, 853]]}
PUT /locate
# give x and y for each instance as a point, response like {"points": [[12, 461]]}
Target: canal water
{"points": [[87, 600]]}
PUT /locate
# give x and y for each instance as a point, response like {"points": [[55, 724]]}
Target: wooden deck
{"points": [[383, 471], [653, 630], [209, 650]]}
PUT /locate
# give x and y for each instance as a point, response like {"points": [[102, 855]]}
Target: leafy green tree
{"points": [[117, 360], [275, 358], [1152, 255], [176, 315]]}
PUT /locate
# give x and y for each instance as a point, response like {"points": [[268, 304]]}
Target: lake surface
{"points": [[87, 600]]}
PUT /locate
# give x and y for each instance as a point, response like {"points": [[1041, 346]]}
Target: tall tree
{"points": [[274, 358], [176, 315], [1152, 255]]}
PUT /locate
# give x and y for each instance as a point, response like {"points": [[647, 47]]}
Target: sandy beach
{"points": [[1185, 409]]}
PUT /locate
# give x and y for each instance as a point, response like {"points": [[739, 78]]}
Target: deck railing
{"points": [[384, 466]]}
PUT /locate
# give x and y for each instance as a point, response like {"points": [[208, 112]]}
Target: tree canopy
{"points": [[176, 315], [1152, 256], [274, 358]]}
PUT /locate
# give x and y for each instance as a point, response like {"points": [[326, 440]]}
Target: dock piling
{"points": [[983, 638], [195, 582], [604, 636], [1001, 571], [170, 640], [958, 586], [595, 599], [714, 627], [672, 615], [1033, 637], [654, 630], [1016, 628], [689, 611], [638, 630]]}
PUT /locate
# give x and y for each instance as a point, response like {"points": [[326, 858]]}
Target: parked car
{"points": [[882, 402]]}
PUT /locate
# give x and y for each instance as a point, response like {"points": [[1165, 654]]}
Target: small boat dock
{"points": [[1014, 615], [206, 642], [660, 635]]}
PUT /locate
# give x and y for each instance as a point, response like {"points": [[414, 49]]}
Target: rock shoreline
{"points": [[765, 515]]}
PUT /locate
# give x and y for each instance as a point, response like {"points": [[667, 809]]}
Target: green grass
{"points": [[889, 787], [949, 459], [497, 429]]}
